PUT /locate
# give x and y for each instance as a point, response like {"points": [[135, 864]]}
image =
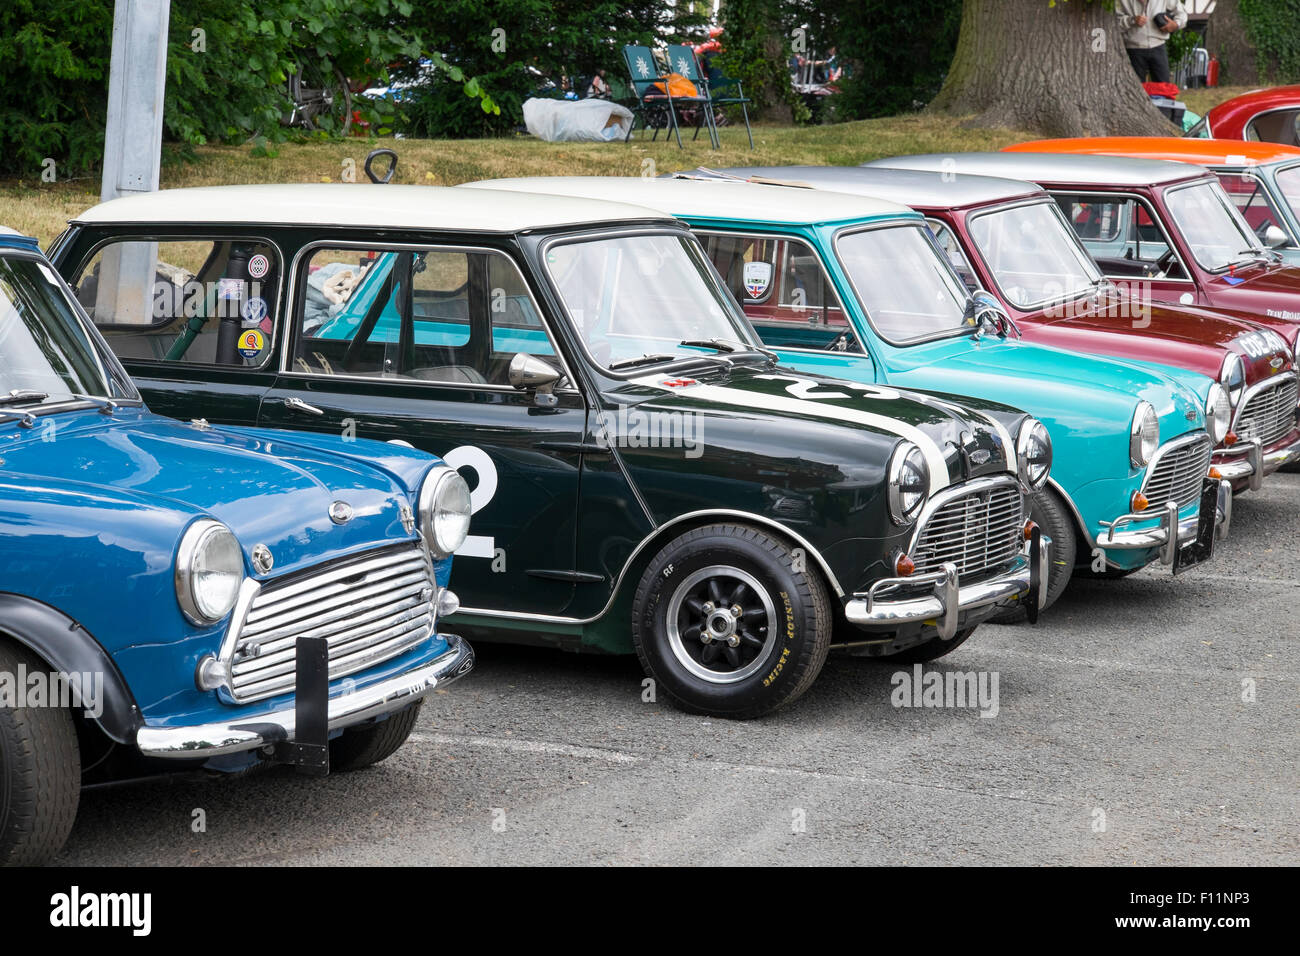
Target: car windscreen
{"points": [[1033, 255], [908, 289], [1211, 226], [1288, 181], [636, 297], [44, 347]]}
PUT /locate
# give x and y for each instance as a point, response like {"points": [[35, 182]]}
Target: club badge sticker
{"points": [[251, 343]]}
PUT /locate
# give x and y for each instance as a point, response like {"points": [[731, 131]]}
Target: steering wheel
{"points": [[1163, 264], [844, 342]]}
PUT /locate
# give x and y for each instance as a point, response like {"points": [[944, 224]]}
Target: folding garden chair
{"points": [[653, 101], [682, 59]]}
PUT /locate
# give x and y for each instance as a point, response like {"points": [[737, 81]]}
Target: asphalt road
{"points": [[1121, 736]]}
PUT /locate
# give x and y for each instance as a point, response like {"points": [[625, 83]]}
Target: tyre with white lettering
{"points": [[360, 747], [40, 772], [730, 622]]}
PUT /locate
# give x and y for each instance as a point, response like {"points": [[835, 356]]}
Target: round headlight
{"points": [[444, 511], [1144, 435], [1034, 452], [909, 481], [1233, 377], [209, 572], [1218, 413]]}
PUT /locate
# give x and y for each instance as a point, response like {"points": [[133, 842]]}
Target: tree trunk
{"points": [[1226, 38], [1054, 70]]}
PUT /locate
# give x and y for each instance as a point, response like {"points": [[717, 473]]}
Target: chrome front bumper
{"points": [[261, 730], [1184, 530], [875, 609], [1253, 462]]}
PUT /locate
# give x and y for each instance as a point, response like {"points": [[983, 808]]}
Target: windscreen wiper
{"points": [[655, 358], [1252, 255], [23, 396], [728, 346], [106, 405], [647, 359]]}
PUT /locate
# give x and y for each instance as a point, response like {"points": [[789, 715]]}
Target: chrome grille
{"points": [[976, 532], [1269, 413], [370, 608], [1178, 473]]}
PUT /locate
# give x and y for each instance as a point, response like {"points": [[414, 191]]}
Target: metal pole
{"points": [[133, 151]]}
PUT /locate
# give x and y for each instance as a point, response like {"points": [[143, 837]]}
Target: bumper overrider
{"points": [[892, 602], [298, 734], [1249, 460], [1182, 542]]}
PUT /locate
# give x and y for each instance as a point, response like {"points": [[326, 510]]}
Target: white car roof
{"points": [[711, 198], [911, 187], [1085, 169], [440, 208]]}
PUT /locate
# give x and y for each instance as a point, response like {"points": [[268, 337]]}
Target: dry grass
{"points": [[43, 210], [1207, 97]]}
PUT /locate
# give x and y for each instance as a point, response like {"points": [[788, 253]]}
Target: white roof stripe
{"points": [[712, 198], [362, 205], [807, 408]]}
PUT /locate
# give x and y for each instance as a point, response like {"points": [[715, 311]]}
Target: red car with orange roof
{"points": [[1262, 179]]}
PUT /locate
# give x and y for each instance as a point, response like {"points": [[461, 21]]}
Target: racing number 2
{"points": [[476, 459]]}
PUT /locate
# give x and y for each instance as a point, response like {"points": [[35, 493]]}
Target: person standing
{"points": [[1146, 25]]}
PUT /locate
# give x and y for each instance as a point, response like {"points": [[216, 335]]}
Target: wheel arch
{"points": [[67, 647], [1072, 510], [654, 542]]}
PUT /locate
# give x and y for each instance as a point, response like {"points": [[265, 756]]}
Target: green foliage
{"points": [[896, 53], [228, 63], [756, 49], [53, 84], [1273, 28], [1180, 45], [522, 48], [228, 82]]}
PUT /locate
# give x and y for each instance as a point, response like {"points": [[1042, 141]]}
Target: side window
{"points": [[197, 301], [432, 315], [953, 251], [1248, 195], [1282, 126], [783, 288], [1122, 236]]}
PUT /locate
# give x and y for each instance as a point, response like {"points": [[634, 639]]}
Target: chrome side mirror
{"points": [[1275, 238], [530, 374], [983, 307]]}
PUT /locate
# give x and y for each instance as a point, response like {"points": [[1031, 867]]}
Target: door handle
{"points": [[298, 405]]}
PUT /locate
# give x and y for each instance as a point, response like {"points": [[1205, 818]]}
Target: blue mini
{"points": [[182, 596]]}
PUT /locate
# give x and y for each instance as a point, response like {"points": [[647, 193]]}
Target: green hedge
{"points": [[1273, 27]]}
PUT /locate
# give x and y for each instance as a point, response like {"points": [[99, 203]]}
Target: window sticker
{"points": [[258, 266], [251, 343], [757, 277], [254, 311], [230, 288]]}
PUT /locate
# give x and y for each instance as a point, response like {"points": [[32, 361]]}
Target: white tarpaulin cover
{"points": [[566, 121]]}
